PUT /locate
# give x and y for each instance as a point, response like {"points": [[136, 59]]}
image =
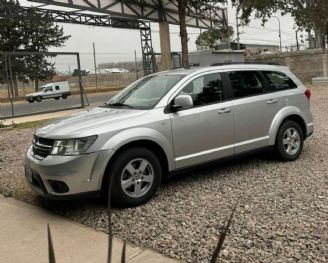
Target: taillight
{"points": [[308, 94]]}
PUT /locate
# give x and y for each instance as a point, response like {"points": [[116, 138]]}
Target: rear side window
{"points": [[205, 90], [279, 80], [246, 83]]}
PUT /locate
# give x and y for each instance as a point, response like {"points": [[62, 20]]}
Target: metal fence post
{"points": [[80, 79], [136, 64], [9, 83]]}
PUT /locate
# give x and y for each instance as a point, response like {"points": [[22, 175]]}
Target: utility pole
{"points": [[310, 40], [238, 33], [279, 32], [95, 64], [297, 43]]}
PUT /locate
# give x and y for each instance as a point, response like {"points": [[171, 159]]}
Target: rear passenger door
{"points": [[255, 106]]}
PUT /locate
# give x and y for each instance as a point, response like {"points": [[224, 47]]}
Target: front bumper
{"points": [[78, 175]]}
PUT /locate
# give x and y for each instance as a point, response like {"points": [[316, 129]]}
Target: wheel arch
{"points": [[291, 113], [144, 143]]}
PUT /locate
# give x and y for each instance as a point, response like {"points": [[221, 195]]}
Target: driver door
{"points": [[48, 93], [204, 132]]}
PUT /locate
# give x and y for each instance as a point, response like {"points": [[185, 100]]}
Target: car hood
{"points": [[34, 94], [88, 122]]}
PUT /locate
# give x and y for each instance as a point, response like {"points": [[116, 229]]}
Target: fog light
{"points": [[58, 186]]}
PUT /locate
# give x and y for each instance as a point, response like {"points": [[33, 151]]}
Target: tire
{"points": [[290, 141], [64, 97], [38, 98], [141, 184], [31, 100], [57, 98]]}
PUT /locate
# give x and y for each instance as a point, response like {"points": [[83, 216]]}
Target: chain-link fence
{"points": [[33, 83]]}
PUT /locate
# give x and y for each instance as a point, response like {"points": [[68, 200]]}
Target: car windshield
{"points": [[145, 93]]}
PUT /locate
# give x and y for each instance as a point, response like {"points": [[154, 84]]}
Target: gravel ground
{"points": [[282, 214]]}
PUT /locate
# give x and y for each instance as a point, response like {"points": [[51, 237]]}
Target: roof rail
{"points": [[246, 63]]}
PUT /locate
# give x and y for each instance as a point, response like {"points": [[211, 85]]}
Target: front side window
{"points": [[57, 88], [246, 83], [279, 80], [145, 93], [207, 89], [47, 89]]}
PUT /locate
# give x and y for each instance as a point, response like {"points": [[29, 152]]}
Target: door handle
{"points": [[224, 111], [272, 101]]}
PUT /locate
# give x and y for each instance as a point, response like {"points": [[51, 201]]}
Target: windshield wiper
{"points": [[118, 105]]}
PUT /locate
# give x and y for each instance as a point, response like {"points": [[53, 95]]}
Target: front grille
{"points": [[41, 147]]}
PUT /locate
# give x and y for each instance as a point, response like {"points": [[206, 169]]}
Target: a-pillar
{"points": [[166, 59]]}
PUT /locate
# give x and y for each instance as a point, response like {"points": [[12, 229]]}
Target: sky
{"points": [[114, 45]]}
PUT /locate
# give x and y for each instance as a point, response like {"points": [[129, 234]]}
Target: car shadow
{"points": [[213, 168], [196, 173]]}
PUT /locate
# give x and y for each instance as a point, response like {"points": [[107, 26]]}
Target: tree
{"points": [[308, 14], [211, 37], [201, 6], [29, 31]]}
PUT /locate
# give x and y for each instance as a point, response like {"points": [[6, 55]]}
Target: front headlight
{"points": [[73, 146]]}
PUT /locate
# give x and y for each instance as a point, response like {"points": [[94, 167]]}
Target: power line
{"points": [[266, 40], [266, 29]]}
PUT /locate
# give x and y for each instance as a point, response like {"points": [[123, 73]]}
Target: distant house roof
{"points": [[261, 46], [234, 46]]}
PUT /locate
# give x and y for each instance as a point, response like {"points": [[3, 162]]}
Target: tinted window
{"points": [[279, 80], [246, 83], [57, 88], [205, 90]]}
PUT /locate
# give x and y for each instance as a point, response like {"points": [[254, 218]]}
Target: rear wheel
{"points": [[57, 98], [64, 97], [290, 140], [30, 100], [38, 98], [136, 175]]}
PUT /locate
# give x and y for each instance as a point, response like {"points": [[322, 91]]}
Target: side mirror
{"points": [[182, 102]]}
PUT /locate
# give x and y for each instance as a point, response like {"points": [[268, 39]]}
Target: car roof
{"points": [[197, 70]]}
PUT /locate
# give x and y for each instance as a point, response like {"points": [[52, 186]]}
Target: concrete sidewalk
{"points": [[40, 117], [23, 238]]}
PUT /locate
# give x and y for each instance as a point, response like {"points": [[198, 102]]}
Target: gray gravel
{"points": [[282, 215]]}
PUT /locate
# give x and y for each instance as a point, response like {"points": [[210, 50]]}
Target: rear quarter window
{"points": [[279, 81]]}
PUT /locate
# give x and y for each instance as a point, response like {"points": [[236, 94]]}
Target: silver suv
{"points": [[167, 122]]}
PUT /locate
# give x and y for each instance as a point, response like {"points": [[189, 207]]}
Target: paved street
{"points": [[23, 107]]}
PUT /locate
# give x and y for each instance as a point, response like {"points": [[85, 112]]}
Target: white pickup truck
{"points": [[55, 90]]}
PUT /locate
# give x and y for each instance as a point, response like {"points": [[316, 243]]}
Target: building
{"points": [[210, 56]]}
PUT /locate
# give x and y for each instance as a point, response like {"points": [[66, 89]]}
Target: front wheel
{"points": [[64, 97], [38, 98], [290, 140], [136, 175]]}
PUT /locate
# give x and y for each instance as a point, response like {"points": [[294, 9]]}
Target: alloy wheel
{"points": [[137, 178], [291, 141]]}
